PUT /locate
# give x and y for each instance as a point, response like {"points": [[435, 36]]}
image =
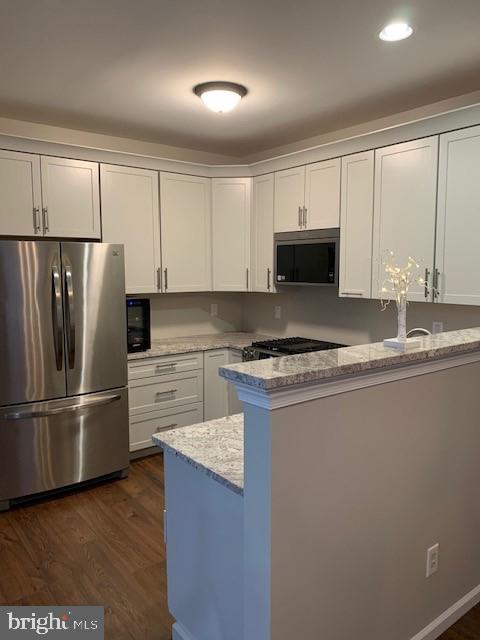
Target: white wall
{"points": [[316, 312], [183, 314]]}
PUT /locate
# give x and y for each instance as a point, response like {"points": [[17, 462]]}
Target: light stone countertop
{"points": [[187, 344], [275, 373], [215, 447]]}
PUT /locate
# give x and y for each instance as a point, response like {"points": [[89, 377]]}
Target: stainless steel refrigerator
{"points": [[63, 365]]}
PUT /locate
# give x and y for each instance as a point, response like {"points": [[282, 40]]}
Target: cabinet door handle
{"points": [[427, 276], [305, 217], [36, 220], [246, 270], [159, 279], [46, 226], [268, 279], [165, 274], [163, 393], [299, 216], [436, 277]]}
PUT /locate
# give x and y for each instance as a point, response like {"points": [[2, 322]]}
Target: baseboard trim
{"points": [[179, 633], [449, 616]]}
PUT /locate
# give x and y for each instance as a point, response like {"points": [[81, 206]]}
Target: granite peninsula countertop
{"points": [[187, 344], [276, 373], [215, 447]]}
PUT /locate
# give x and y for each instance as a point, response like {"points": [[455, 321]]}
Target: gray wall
{"points": [[316, 312], [362, 484], [183, 314]]}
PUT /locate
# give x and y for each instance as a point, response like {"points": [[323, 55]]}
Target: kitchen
{"points": [[242, 238]]}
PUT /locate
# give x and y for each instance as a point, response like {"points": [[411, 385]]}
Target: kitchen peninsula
{"points": [[315, 520]]}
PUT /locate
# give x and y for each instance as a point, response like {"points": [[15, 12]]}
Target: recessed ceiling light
{"points": [[220, 96], [395, 31]]}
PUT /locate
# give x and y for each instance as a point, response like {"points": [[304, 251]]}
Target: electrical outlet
{"points": [[437, 327], [277, 313], [214, 309], [432, 560]]}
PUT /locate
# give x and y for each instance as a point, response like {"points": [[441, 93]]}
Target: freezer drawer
{"points": [[165, 392], [48, 445], [143, 426]]}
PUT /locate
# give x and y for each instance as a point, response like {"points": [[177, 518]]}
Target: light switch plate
{"points": [[437, 327]]}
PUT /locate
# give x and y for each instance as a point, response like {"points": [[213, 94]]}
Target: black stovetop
{"points": [[295, 345]]}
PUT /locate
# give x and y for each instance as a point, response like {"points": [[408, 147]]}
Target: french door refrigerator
{"points": [[63, 365]]}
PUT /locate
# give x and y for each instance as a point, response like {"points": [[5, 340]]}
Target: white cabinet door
{"points": [[356, 225], [71, 200], [20, 194], [130, 216], [215, 399], [404, 208], [262, 233], [322, 195], [234, 404], [231, 233], [289, 199], [186, 232], [458, 219]]}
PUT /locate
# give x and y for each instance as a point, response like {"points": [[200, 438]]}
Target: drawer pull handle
{"points": [[169, 426], [162, 393], [162, 366]]}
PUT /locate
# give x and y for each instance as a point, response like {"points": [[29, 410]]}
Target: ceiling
{"points": [[127, 67]]}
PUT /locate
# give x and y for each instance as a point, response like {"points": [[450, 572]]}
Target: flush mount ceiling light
{"points": [[220, 96], [395, 31]]}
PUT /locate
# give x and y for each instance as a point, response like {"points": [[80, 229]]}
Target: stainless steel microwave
{"points": [[307, 257]]}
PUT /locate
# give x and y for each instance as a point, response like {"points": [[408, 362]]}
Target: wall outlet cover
{"points": [[432, 560], [437, 327], [277, 312], [214, 309]]}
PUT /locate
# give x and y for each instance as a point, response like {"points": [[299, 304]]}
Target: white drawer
{"points": [[149, 367], [163, 392], [143, 426]]}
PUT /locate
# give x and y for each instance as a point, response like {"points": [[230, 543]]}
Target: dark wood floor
{"points": [[104, 545]]}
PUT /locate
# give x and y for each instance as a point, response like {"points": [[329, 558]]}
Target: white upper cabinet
{"points": [[322, 195], [289, 199], [130, 216], [71, 200], [458, 218], [356, 225], [262, 233], [405, 208], [231, 233], [186, 232], [20, 194]]}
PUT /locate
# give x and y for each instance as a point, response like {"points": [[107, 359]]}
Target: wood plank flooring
{"points": [[104, 545]]}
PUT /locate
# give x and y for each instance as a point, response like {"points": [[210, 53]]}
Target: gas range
{"points": [[285, 347]]}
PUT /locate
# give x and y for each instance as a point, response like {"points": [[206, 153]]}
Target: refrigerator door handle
{"points": [[57, 319], [72, 408], [70, 316]]}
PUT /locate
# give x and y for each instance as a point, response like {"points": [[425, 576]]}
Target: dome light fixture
{"points": [[220, 96], [395, 31]]}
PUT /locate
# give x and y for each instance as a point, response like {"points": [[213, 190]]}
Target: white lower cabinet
{"points": [[234, 404], [177, 390], [144, 425], [216, 388]]}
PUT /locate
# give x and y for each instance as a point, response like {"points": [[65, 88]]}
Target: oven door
{"points": [[310, 260]]}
